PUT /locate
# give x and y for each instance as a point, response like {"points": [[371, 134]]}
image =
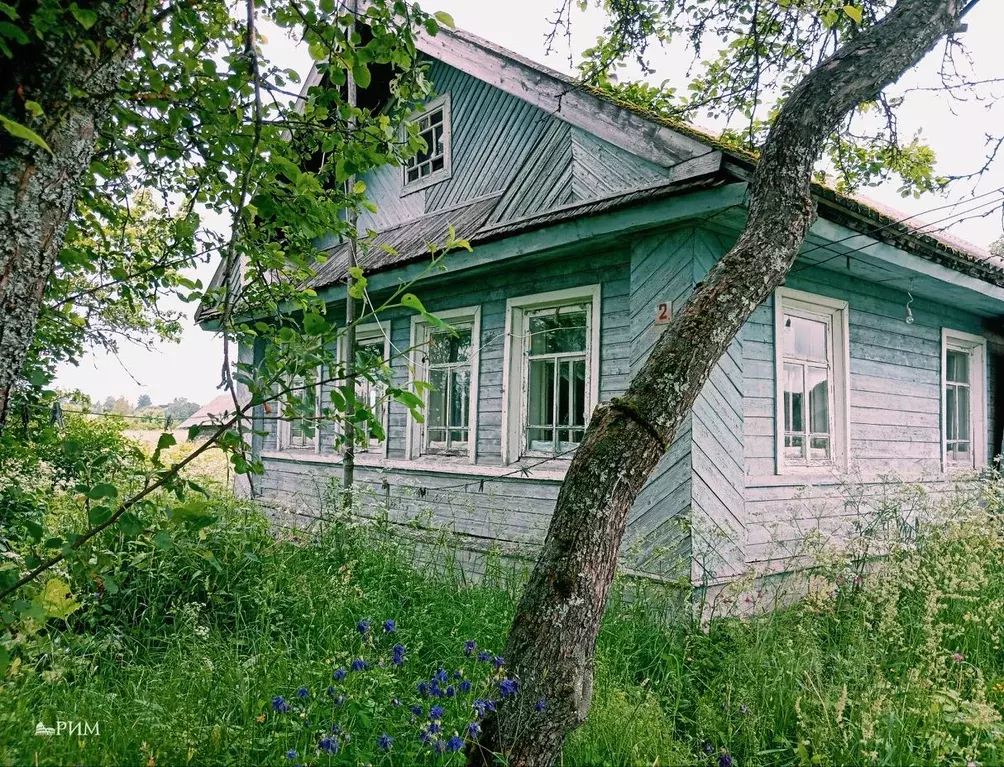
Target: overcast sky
{"points": [[957, 132]]}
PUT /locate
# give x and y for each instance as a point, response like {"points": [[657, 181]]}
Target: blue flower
{"points": [[328, 745], [303, 692], [440, 746], [389, 627], [455, 743], [458, 674], [726, 760], [291, 754], [279, 704], [482, 707], [436, 712], [359, 665], [708, 748], [484, 656], [469, 647], [340, 674], [540, 705], [451, 691], [425, 736], [435, 690], [363, 627], [338, 699], [335, 729], [508, 687], [473, 730], [423, 688], [416, 710], [465, 685], [441, 675], [384, 742], [399, 651], [435, 728], [498, 662]]}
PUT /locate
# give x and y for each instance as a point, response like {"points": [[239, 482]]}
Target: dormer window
{"points": [[431, 164]]}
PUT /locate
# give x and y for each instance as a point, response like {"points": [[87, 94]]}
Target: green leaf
{"points": [[411, 301], [102, 490], [19, 131], [130, 524], [855, 13], [445, 19], [314, 324], [85, 17], [33, 108], [318, 51], [9, 11], [166, 440], [56, 600], [98, 515], [193, 431], [194, 514], [361, 74]]}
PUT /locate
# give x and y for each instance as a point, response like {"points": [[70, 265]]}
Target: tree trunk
{"points": [[553, 636], [38, 190]]}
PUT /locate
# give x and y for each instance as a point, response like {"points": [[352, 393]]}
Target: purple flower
{"points": [[279, 704], [498, 662], [508, 687], [416, 710], [455, 743], [384, 742], [726, 760], [436, 713], [339, 674], [484, 656], [540, 705], [303, 692], [469, 647], [359, 665], [389, 626], [328, 745], [473, 730], [363, 627], [465, 685]]}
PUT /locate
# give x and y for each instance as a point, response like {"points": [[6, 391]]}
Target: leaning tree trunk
{"points": [[553, 636], [38, 189]]}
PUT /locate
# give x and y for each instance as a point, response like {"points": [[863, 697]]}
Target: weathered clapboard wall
{"points": [[895, 417]]}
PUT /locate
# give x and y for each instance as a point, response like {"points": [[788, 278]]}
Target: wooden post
{"points": [[349, 450]]}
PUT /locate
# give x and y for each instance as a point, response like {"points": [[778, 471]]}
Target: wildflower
{"points": [[423, 688], [336, 729], [469, 647], [399, 652], [498, 662], [484, 656], [436, 713], [465, 686], [458, 674], [328, 745], [416, 710], [435, 728], [389, 626], [958, 657], [508, 687], [340, 674], [473, 730], [482, 707], [279, 704], [303, 692], [707, 747], [384, 742], [363, 627], [291, 754], [455, 743], [744, 709], [359, 665], [440, 747], [338, 699], [425, 736], [540, 705], [260, 719], [726, 760], [441, 675], [451, 691]]}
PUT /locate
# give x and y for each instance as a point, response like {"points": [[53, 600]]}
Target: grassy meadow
{"points": [[229, 644]]}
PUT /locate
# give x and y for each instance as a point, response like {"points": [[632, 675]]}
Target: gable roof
{"points": [[690, 156], [213, 413]]}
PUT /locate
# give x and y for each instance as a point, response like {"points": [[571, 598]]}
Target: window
{"points": [[431, 164], [552, 372], [448, 361], [298, 427], [372, 351], [963, 407], [811, 373]]}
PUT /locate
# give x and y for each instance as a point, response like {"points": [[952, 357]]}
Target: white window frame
{"points": [[284, 434], [514, 361], [421, 331], [444, 173], [370, 332], [976, 347], [835, 313]]}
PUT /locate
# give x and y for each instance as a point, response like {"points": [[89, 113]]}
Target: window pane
{"points": [[804, 338], [819, 448], [540, 394], [963, 413], [437, 399], [558, 331], [819, 395], [459, 396], [447, 348], [793, 395], [957, 366], [540, 440], [794, 446], [951, 413]]}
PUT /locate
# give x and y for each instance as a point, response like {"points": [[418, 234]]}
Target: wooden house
{"points": [[591, 222]]}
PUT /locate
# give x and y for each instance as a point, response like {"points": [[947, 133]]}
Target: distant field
{"points": [[213, 463]]}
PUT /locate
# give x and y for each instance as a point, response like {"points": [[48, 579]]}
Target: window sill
{"points": [[429, 465]]}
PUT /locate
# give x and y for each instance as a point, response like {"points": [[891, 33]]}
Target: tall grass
{"points": [[181, 664]]}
